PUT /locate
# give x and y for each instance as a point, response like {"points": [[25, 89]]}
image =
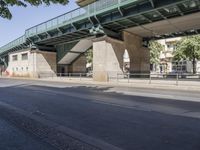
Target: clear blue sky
{"points": [[24, 18]]}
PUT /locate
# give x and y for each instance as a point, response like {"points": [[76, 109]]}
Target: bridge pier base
{"points": [[139, 55], [108, 56]]}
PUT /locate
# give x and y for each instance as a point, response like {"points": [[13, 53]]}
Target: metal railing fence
{"points": [[70, 76], [74, 15], [12, 44], [154, 78]]}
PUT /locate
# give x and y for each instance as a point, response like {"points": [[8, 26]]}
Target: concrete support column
{"points": [[107, 58], [139, 55]]}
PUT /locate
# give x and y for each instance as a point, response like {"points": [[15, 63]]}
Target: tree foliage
{"points": [[89, 56], [188, 49], [6, 4], [155, 50]]}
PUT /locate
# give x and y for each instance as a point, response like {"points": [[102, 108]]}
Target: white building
{"points": [[167, 65], [31, 63]]}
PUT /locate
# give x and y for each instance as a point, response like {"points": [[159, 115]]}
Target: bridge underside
{"points": [[155, 18], [180, 26]]}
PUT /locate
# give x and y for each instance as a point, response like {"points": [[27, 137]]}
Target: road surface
{"points": [[11, 138], [126, 118]]}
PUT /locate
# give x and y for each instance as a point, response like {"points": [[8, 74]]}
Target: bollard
{"points": [[177, 79], [69, 76], [150, 79], [128, 77], [80, 76]]}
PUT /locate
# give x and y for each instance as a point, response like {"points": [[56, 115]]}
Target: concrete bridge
{"points": [[110, 27]]}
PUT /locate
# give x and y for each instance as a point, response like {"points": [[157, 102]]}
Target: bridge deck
{"points": [[113, 15]]}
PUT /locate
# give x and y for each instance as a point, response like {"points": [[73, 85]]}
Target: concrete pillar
{"points": [[45, 62], [78, 65], [139, 55], [107, 58]]}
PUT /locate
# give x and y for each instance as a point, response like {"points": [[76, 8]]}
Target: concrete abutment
{"points": [[108, 56]]}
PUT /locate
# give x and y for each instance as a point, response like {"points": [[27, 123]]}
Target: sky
{"points": [[24, 18]]}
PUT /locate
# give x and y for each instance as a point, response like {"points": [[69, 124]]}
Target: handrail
{"points": [[72, 16], [64, 19], [12, 44]]}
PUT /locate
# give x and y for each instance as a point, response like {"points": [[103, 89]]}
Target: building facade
{"points": [[168, 65], [31, 63]]}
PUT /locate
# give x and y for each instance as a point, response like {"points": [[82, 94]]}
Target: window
{"points": [[14, 58], [25, 56]]}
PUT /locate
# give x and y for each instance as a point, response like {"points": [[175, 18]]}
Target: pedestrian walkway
{"points": [[189, 85], [143, 83]]}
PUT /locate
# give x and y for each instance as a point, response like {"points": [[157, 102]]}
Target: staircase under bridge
{"points": [[69, 55]]}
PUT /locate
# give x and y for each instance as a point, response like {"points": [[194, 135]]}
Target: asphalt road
{"points": [[12, 138], [128, 118]]}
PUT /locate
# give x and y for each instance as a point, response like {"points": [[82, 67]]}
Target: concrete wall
{"points": [[21, 67], [37, 62], [107, 58], [78, 65], [139, 55], [45, 62]]}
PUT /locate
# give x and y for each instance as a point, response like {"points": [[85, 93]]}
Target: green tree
{"points": [[188, 49], [6, 4], [89, 56], [155, 50]]}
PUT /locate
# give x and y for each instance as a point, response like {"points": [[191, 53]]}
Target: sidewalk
{"points": [[139, 83]]}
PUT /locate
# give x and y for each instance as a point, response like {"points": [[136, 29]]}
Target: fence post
{"points": [[128, 77], [69, 76], [117, 78], [177, 77], [150, 78], [80, 76]]}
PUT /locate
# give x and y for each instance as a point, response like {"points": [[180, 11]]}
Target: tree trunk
{"points": [[194, 65]]}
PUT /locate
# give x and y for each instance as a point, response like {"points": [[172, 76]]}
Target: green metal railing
{"points": [[96, 8], [76, 15], [17, 42], [67, 18]]}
